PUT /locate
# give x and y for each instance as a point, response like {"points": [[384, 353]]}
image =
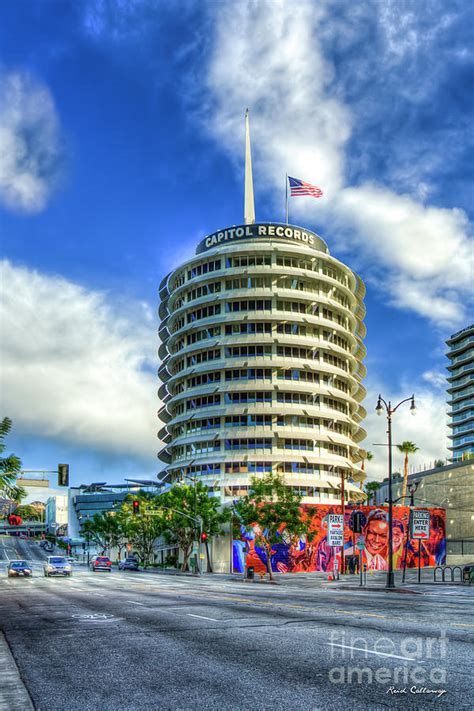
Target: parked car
{"points": [[19, 567], [130, 563], [101, 562], [57, 565]]}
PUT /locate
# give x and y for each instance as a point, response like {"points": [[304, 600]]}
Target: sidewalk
{"points": [[13, 693]]}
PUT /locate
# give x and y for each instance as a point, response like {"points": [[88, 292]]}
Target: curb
{"points": [[14, 695]]}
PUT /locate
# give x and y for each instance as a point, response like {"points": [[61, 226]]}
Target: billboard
{"points": [[313, 553]]}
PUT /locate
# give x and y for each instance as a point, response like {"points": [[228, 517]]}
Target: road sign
{"points": [[335, 530], [361, 543], [420, 524]]}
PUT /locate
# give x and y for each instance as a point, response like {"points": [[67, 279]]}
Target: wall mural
{"points": [[313, 554]]}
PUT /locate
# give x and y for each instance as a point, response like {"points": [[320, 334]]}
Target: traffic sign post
{"points": [[360, 548], [420, 524], [419, 531], [335, 537], [335, 530]]}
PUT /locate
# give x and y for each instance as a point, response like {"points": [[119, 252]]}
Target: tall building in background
{"points": [[262, 364], [262, 361], [461, 393]]}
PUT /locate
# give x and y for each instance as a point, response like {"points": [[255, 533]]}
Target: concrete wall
{"points": [[450, 487]]}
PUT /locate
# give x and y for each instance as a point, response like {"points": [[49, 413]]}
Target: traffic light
{"points": [[63, 474], [203, 536], [136, 507], [357, 521]]}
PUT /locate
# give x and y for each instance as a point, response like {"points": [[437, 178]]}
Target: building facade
{"points": [[450, 487], [56, 514], [100, 498], [461, 393], [262, 348]]}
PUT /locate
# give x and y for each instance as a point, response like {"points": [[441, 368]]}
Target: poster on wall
{"points": [[314, 553]]}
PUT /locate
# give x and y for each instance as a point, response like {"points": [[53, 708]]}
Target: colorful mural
{"points": [[313, 553]]}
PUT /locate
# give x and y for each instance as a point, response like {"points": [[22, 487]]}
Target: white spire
{"points": [[249, 205]]}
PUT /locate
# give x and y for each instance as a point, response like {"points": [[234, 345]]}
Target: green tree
{"points": [[117, 530], [144, 529], [371, 487], [268, 505], [407, 448], [29, 513], [95, 530], [10, 467], [183, 507]]}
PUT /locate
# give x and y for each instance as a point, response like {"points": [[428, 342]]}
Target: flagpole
{"points": [[286, 198]]}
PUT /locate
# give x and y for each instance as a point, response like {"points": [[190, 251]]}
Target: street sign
{"points": [[335, 530], [361, 543], [420, 524]]}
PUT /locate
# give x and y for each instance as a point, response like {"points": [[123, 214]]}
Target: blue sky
{"points": [[121, 145]]}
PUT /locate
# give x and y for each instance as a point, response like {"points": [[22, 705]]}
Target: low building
{"points": [[87, 500], [56, 514], [450, 487]]}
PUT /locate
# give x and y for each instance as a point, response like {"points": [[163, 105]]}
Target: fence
{"points": [[460, 546]]}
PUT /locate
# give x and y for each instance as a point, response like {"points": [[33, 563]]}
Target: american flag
{"points": [[299, 187]]}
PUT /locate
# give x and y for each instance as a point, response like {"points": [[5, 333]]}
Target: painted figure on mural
{"points": [[312, 553], [376, 540]]}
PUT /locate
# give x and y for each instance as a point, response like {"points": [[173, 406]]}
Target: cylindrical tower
{"points": [[262, 364]]}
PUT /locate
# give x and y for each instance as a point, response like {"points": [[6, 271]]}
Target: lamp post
{"points": [[387, 406]]}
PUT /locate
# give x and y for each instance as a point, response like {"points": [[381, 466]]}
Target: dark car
{"points": [[101, 562], [19, 567], [130, 563]]}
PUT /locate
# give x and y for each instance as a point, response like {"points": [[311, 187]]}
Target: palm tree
{"points": [[10, 467], [368, 457], [371, 488], [407, 448]]}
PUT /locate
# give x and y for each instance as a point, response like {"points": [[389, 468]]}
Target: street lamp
{"points": [[382, 406]]}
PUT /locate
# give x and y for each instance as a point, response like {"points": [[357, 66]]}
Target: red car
{"points": [[101, 562]]}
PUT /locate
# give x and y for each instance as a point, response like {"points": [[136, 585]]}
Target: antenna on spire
{"points": [[249, 205]]}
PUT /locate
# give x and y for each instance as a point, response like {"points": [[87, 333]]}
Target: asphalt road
{"points": [[137, 640]]}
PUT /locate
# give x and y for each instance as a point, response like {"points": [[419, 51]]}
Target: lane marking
{"points": [[370, 651], [213, 619], [362, 614], [132, 602], [460, 624]]}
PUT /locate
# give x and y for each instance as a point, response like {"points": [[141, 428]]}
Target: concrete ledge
{"points": [[13, 693]]}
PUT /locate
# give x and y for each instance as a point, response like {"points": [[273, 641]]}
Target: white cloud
{"points": [[268, 56], [76, 366], [427, 429], [30, 146], [435, 378]]}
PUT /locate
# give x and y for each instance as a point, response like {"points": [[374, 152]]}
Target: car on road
{"points": [[19, 567], [130, 563], [57, 565], [101, 562]]}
